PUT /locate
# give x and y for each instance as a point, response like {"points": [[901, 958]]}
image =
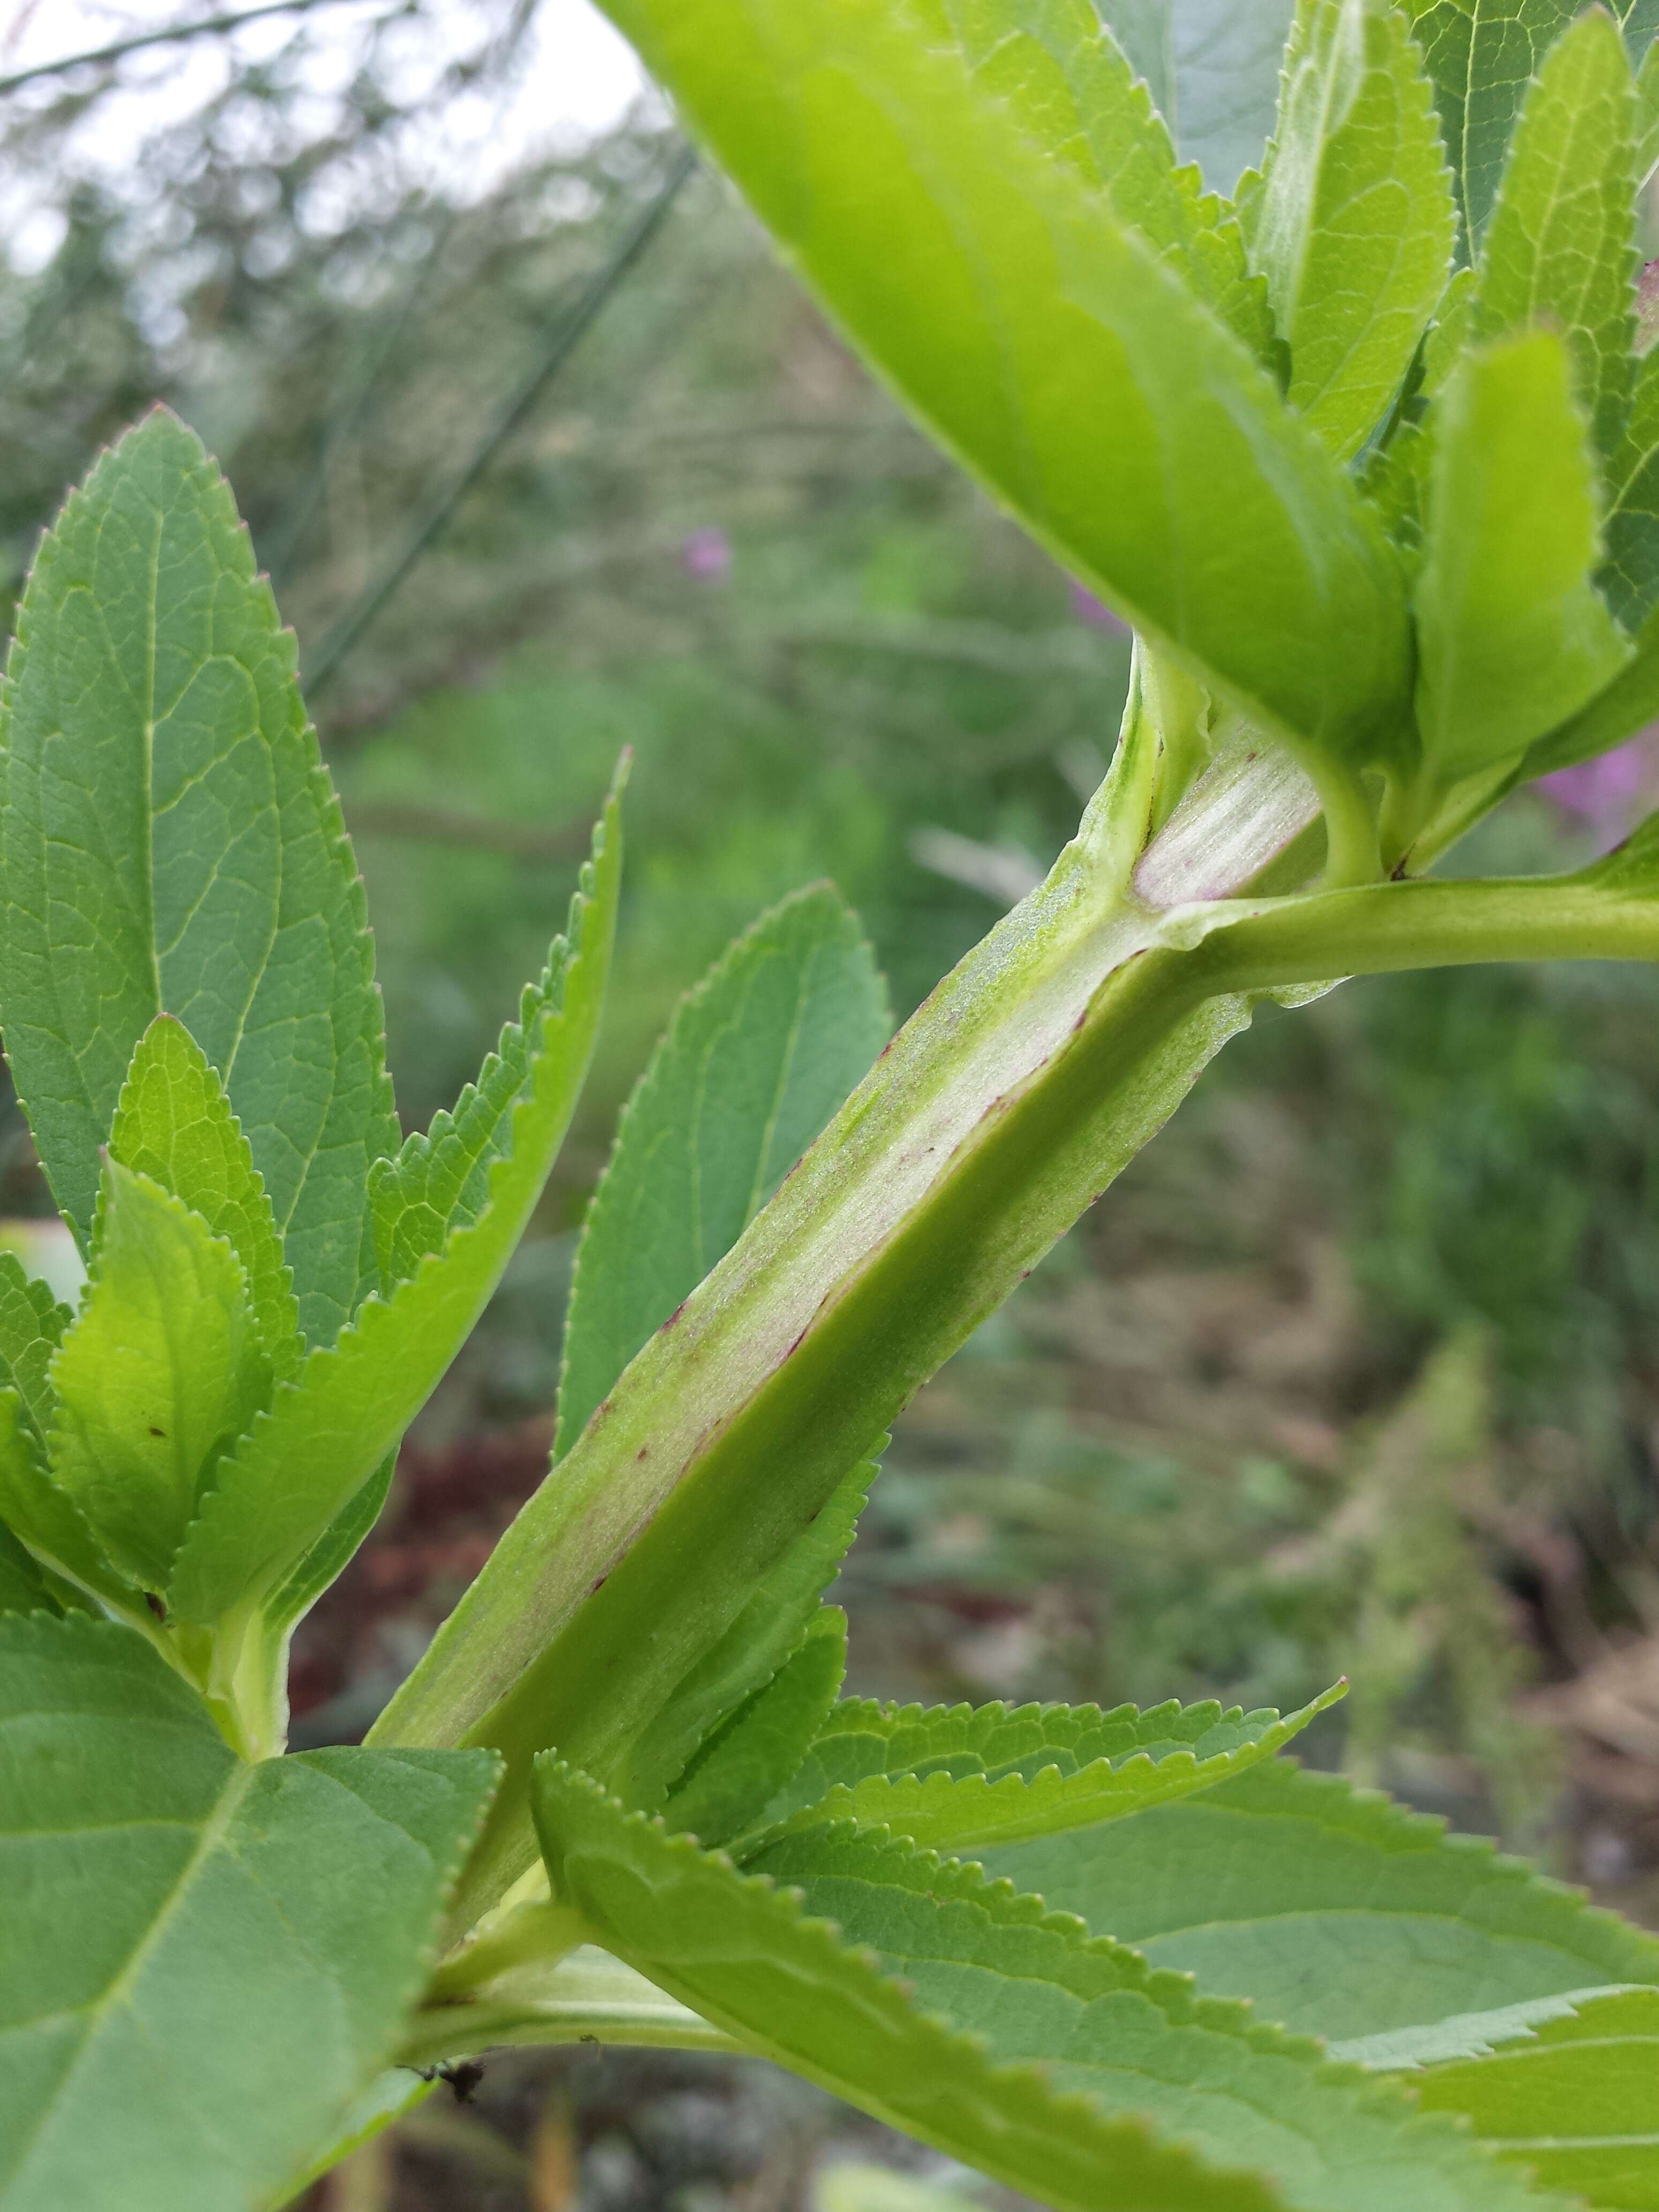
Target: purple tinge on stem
{"points": [[1647, 307], [1604, 792], [707, 555], [1095, 612]]}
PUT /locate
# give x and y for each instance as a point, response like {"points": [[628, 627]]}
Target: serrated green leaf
{"points": [[170, 843], [1639, 21], [1045, 344], [1647, 115], [1028, 1988], [739, 1772], [1213, 67], [1337, 1912], [160, 1371], [743, 1954], [173, 1123], [47, 1519], [1513, 635], [1355, 223], [1037, 1987], [1481, 56], [960, 1778], [757, 1059], [1465, 2035], [388, 2097], [1053, 64], [1449, 332], [1395, 481], [32, 1325], [202, 1962], [22, 1586], [439, 1181], [1630, 574], [325, 1434], [331, 1553], [1560, 250], [1574, 2101]]}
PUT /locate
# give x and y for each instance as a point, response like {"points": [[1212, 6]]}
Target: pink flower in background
{"points": [[1604, 792], [707, 555], [1095, 612]]}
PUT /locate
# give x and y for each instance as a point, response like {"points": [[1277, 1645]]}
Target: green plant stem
{"points": [[588, 1997], [1353, 851], [538, 1933], [1037, 1071], [1385, 928]]}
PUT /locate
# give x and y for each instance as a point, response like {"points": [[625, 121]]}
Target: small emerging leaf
{"points": [[1630, 576], [326, 1433], [1355, 224], [742, 1769], [161, 1370], [1560, 249], [1514, 636], [439, 1181], [755, 1645], [45, 1518], [174, 1124], [958, 1780], [32, 1325]]}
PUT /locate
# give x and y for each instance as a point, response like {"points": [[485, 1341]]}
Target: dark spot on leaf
{"points": [[157, 1433], [157, 1606]]}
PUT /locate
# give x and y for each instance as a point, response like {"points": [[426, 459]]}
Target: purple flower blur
{"points": [[707, 555], [1603, 792], [1095, 612]]}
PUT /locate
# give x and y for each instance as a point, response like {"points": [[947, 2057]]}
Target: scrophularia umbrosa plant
{"points": [[1365, 453]]}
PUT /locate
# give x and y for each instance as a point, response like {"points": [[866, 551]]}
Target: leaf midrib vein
{"points": [[214, 1829]]}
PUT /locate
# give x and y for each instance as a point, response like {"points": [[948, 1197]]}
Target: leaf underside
{"points": [[1355, 222], [201, 1961], [1018, 313], [1336, 1912], [1136, 2070], [1213, 67]]}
